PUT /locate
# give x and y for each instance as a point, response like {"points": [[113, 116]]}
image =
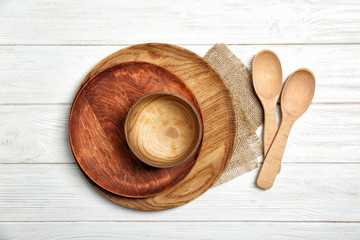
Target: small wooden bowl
{"points": [[163, 129]]}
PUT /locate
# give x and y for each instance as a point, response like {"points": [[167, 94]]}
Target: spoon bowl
{"points": [[298, 93], [267, 75]]}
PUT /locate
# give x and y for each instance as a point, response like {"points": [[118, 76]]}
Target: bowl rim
{"points": [[194, 110]]}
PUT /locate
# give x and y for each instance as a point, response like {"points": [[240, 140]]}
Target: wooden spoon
{"points": [[267, 80], [296, 98]]}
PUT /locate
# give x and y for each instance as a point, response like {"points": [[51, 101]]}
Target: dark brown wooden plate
{"points": [[96, 129]]}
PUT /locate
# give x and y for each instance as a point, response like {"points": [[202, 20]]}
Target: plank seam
{"points": [[183, 221], [69, 104], [260, 163], [182, 44]]}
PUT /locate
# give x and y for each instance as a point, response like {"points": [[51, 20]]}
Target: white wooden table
{"points": [[46, 49]]}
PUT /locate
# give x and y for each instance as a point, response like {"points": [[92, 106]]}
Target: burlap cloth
{"points": [[249, 112]]}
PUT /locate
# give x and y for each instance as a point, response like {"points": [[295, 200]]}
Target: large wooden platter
{"points": [[97, 136], [218, 117]]}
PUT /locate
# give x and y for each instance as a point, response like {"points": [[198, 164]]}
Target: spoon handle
{"points": [[270, 125], [272, 162]]}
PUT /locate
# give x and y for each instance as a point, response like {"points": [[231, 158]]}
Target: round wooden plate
{"points": [[97, 135], [218, 117]]}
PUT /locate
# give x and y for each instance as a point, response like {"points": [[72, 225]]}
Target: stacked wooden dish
{"points": [[164, 150]]}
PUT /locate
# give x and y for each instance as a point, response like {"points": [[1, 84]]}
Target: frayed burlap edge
{"points": [[249, 112]]}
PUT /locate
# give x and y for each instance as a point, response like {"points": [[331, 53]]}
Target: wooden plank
{"points": [[180, 230], [302, 192], [38, 134], [35, 134], [52, 74], [84, 22]]}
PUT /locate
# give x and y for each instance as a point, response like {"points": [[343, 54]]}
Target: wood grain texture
{"points": [[218, 120], [38, 134], [163, 129], [184, 21], [39, 72], [180, 230], [97, 135], [335, 84], [303, 192]]}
